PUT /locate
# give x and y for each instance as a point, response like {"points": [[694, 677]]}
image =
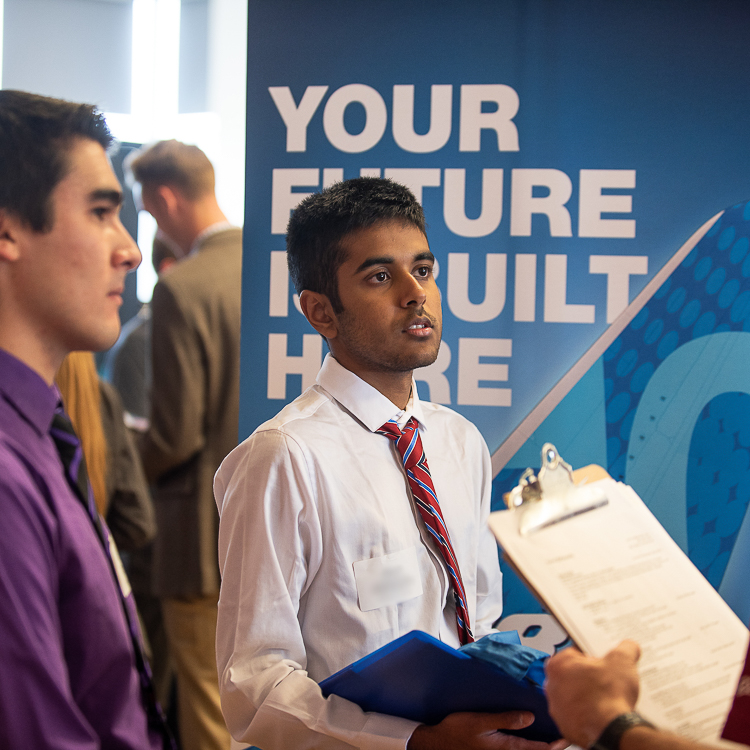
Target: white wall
{"points": [[226, 96], [82, 50], [72, 49]]}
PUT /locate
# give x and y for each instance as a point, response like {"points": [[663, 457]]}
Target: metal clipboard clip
{"points": [[551, 496]]}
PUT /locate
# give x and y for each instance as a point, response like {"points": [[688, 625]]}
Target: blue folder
{"points": [[420, 678]]}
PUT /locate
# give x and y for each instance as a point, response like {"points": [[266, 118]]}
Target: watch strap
{"points": [[610, 737]]}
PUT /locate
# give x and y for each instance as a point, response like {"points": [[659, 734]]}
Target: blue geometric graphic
{"points": [[676, 409], [708, 293], [718, 482]]}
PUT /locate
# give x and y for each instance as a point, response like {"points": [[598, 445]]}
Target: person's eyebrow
{"points": [[385, 260], [105, 194]]}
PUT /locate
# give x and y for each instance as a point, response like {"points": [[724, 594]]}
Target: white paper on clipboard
{"points": [[612, 572]]}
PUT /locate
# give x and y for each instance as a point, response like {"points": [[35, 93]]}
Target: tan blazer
{"points": [[195, 351]]}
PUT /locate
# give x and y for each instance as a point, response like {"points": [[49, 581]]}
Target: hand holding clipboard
{"points": [[607, 570]]}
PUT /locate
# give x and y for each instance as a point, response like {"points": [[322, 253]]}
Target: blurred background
{"points": [[157, 68]]}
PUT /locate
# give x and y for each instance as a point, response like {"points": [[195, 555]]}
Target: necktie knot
{"points": [[390, 429], [406, 440]]}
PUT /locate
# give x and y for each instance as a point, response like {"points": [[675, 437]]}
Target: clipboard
{"points": [[606, 569], [420, 678]]}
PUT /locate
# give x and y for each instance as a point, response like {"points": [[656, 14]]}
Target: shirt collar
{"points": [[366, 403], [220, 226], [25, 390]]}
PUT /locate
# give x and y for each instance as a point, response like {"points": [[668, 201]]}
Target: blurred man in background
{"points": [[194, 411], [127, 367], [128, 363]]}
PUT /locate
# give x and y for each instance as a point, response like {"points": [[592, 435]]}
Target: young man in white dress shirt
{"points": [[324, 557]]}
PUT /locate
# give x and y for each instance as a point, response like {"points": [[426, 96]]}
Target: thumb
{"points": [[514, 719], [627, 653]]}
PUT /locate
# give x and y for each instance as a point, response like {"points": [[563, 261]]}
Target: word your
{"points": [[473, 118]]}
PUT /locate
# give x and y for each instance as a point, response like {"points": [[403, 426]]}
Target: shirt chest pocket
{"points": [[388, 580]]}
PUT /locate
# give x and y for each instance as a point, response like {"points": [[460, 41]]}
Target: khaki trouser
{"points": [[191, 632]]}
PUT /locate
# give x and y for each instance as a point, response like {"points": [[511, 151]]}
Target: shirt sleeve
{"points": [[37, 708], [270, 547], [177, 412]]}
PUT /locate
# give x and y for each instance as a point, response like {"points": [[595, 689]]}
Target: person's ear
{"points": [[168, 199], [9, 231], [159, 201], [319, 313]]}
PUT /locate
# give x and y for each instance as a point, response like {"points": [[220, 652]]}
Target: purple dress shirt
{"points": [[68, 678]]}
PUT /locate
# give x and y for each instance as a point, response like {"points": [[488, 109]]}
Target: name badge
{"points": [[391, 579]]}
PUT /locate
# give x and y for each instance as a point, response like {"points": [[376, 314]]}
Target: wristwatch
{"points": [[610, 737]]}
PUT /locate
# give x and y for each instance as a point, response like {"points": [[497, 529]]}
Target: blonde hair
{"points": [[78, 382]]}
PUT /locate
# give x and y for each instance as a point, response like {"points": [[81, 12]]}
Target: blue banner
{"points": [[583, 167]]}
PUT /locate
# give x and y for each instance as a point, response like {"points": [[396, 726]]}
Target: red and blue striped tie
{"points": [[409, 445]]}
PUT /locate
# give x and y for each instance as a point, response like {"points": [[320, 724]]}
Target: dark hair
{"points": [[36, 133], [322, 220], [172, 163]]}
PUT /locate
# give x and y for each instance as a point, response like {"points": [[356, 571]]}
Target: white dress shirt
{"points": [[324, 558]]}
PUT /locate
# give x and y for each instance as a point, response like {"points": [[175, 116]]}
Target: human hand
{"points": [[478, 731], [584, 694]]}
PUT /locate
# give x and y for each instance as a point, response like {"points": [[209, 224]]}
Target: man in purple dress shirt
{"points": [[68, 676]]}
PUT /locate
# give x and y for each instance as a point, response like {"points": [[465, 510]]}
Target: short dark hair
{"points": [[321, 221], [36, 133], [173, 163]]}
